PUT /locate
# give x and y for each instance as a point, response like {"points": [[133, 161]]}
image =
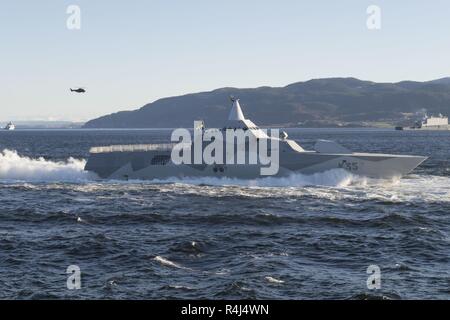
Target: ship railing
{"points": [[137, 148]]}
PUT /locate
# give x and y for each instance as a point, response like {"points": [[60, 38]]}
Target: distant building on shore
{"points": [[429, 123]]}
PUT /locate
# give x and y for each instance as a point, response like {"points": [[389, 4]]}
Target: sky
{"points": [[129, 53]]}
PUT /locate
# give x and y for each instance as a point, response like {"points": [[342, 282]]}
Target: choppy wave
{"points": [[20, 168]]}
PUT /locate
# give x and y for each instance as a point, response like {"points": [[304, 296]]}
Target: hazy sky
{"points": [[129, 53]]}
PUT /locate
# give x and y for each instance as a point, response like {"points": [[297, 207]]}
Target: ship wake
{"points": [[330, 178]]}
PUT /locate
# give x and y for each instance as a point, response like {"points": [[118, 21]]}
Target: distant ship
{"points": [[10, 126], [429, 123], [153, 161]]}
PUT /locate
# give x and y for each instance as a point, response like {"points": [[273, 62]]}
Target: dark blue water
{"points": [[303, 237]]}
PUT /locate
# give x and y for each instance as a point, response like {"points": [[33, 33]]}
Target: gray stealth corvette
{"points": [[153, 161]]}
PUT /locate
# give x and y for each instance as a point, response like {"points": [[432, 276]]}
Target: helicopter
{"points": [[78, 90]]}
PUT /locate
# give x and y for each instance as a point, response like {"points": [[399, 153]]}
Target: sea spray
{"points": [[14, 167]]}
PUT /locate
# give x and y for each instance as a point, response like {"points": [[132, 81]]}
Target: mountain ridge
{"points": [[316, 102]]}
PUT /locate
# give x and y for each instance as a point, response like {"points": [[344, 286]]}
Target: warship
{"points": [[10, 126], [155, 161]]}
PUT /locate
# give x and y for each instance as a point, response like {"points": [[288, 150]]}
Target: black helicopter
{"points": [[78, 90]]}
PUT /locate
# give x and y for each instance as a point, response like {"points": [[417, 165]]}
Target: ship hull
{"points": [[142, 166]]}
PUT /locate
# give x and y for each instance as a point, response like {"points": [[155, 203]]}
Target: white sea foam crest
{"points": [[274, 280], [15, 167], [168, 263], [332, 178]]}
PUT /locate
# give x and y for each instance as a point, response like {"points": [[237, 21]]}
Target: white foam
{"points": [[413, 188], [180, 287], [14, 167], [168, 263], [273, 280], [332, 178]]}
